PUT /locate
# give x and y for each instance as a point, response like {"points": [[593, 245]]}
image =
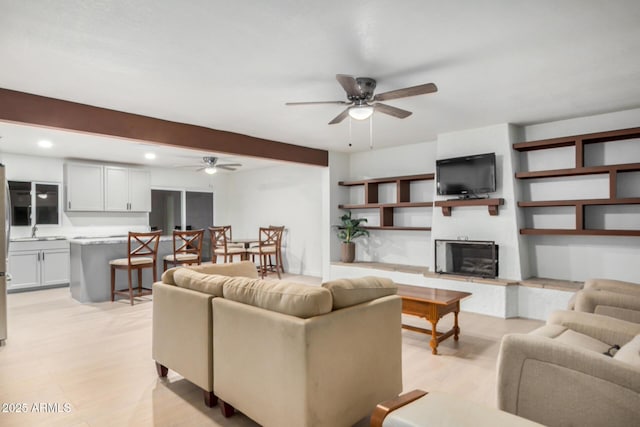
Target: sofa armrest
{"points": [[612, 304], [603, 328], [182, 333], [327, 370], [618, 286], [555, 384]]}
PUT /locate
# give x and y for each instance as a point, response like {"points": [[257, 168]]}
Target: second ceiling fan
{"points": [[362, 102]]}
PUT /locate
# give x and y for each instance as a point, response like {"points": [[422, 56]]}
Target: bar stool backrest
{"points": [[143, 244]]}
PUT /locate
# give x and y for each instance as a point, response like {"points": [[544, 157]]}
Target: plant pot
{"points": [[348, 252]]}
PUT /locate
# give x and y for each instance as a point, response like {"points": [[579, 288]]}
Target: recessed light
{"points": [[45, 144], [149, 156]]}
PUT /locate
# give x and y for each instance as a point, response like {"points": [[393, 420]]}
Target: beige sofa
{"points": [[282, 353], [558, 375], [182, 325], [612, 298]]}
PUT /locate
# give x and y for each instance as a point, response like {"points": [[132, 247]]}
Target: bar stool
{"points": [[142, 251], [187, 248], [220, 247]]}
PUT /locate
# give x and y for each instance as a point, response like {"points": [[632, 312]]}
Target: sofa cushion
{"points": [[196, 281], [243, 268], [348, 292], [630, 353], [290, 298], [572, 338]]}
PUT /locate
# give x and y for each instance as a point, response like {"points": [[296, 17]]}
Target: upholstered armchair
{"points": [[614, 298], [558, 375]]}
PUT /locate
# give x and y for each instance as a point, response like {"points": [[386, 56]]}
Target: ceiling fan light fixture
{"points": [[360, 112], [210, 170]]}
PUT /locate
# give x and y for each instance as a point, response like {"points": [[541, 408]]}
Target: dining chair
{"points": [[229, 232], [220, 246], [268, 241], [187, 248], [142, 252], [279, 264]]}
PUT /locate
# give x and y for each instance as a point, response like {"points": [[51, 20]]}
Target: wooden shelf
{"points": [[592, 170], [396, 227], [578, 232], [583, 202], [388, 180], [388, 205], [491, 204], [403, 199], [577, 140]]}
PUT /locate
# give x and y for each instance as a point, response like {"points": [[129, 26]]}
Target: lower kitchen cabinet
{"points": [[36, 264]]}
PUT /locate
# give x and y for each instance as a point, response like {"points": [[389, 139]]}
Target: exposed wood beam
{"points": [[25, 108]]}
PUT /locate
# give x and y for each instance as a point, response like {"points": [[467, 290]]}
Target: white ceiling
{"points": [[233, 65]]}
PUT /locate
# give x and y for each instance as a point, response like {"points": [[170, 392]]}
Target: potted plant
{"points": [[347, 231]]}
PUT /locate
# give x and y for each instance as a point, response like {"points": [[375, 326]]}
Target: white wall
{"points": [[332, 196], [289, 195], [475, 223], [394, 246], [582, 257]]}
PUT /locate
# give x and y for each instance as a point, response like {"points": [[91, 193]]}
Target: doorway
{"points": [[181, 209]]}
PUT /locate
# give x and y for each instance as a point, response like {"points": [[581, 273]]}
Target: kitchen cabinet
{"points": [[84, 187], [38, 263], [127, 190]]}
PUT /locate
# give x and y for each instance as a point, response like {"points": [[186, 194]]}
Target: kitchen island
{"points": [[90, 275]]}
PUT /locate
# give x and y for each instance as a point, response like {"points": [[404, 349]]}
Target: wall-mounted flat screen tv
{"points": [[468, 176]]}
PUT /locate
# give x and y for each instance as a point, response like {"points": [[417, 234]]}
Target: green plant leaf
{"points": [[350, 228]]}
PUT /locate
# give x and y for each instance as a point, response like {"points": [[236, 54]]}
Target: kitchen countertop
{"points": [[81, 240]]}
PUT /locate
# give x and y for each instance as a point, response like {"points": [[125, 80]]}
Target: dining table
{"points": [[245, 241]]}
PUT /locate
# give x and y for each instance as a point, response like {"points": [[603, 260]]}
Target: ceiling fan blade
{"points": [[340, 117], [225, 167], [406, 92], [317, 102], [392, 111], [349, 84], [233, 165]]}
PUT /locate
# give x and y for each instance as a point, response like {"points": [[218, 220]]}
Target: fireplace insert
{"points": [[467, 258]]}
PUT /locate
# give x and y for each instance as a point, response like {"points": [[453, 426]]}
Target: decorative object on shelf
{"points": [[350, 229]]}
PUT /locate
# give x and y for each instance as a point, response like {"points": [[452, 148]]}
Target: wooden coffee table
{"points": [[432, 304]]}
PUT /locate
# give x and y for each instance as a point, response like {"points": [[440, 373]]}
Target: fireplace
{"points": [[467, 258]]}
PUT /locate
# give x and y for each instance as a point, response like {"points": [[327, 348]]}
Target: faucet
{"points": [[33, 230]]}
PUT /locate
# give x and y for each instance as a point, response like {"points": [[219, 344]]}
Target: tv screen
{"points": [[466, 176]]}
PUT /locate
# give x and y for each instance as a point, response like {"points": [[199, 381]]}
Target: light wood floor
{"points": [[97, 358]]}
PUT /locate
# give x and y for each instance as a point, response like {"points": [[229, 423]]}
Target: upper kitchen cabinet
{"points": [[84, 185], [127, 190]]}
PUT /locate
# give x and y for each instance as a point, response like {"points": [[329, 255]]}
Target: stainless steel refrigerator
{"points": [[5, 225]]}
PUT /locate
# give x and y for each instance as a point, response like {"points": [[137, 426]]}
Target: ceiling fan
{"points": [[211, 165], [362, 102]]}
